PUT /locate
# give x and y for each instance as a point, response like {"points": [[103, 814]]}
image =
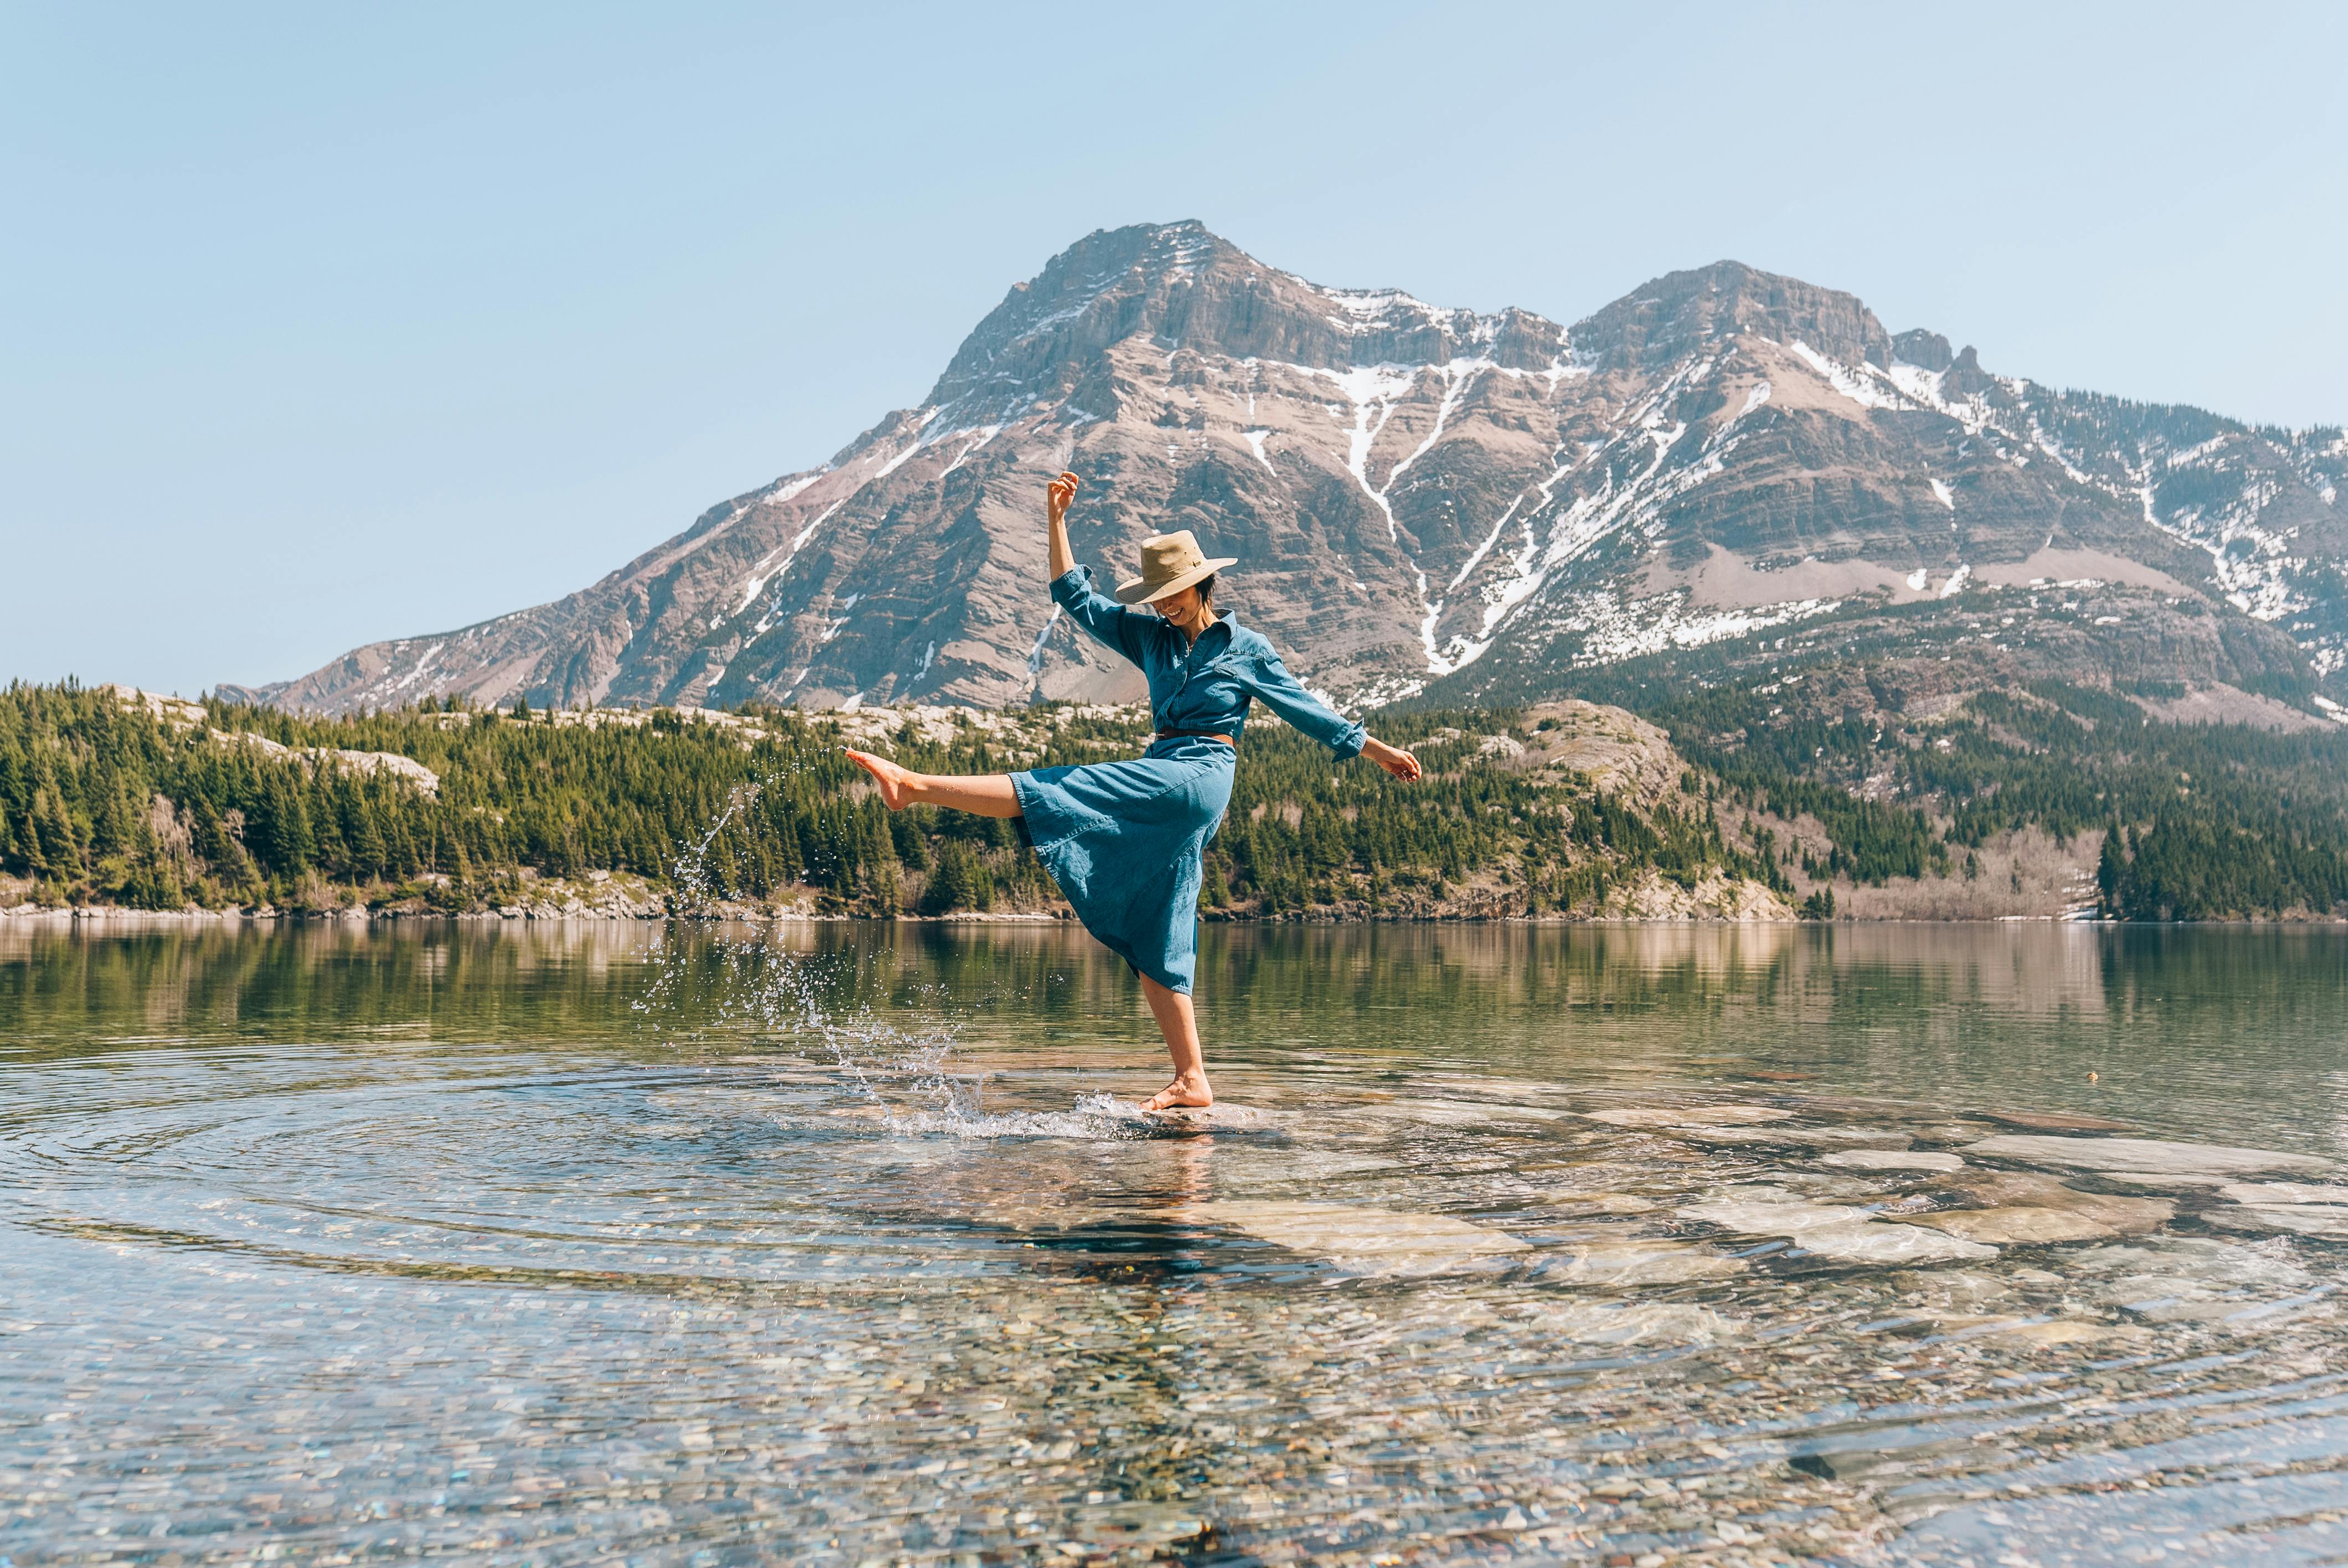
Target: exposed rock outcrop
{"points": [[182, 714]]}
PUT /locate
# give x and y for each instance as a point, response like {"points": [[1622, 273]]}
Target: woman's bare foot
{"points": [[1189, 1090], [896, 783]]}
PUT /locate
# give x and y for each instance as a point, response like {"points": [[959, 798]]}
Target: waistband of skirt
{"points": [[1194, 747]]}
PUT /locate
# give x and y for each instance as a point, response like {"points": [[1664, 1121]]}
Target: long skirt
{"points": [[1122, 840]]}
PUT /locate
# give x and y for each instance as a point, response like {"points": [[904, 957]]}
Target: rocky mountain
{"points": [[1724, 474]]}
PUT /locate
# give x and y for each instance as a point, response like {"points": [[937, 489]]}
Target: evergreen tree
{"points": [[905, 836], [280, 832], [362, 837], [2110, 869], [960, 882]]}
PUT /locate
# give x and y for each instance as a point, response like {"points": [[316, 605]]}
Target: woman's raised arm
{"points": [[1056, 497], [1126, 630]]}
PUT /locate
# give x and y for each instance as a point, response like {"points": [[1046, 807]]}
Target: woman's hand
{"points": [[1057, 494], [1393, 759]]}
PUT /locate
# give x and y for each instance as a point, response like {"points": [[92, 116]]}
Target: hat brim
{"points": [[1137, 591]]}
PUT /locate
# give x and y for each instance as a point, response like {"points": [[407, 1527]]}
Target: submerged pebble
{"points": [[2294, 1219], [1892, 1160], [1376, 1241], [2143, 1155], [2271, 1193], [2007, 1227], [1693, 1115]]}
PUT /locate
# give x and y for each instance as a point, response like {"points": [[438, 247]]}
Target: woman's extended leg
{"points": [[987, 794], [1179, 1024]]}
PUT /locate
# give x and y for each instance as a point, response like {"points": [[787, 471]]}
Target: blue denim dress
{"points": [[1123, 839]]}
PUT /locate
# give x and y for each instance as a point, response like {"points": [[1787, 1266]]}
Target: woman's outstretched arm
{"points": [[1286, 696]]}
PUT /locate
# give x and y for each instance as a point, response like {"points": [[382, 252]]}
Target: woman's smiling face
{"points": [[1185, 610]]}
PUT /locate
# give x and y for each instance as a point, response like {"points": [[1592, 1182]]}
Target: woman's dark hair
{"points": [[1206, 586]]}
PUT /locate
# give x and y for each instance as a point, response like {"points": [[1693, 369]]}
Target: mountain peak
{"points": [[1661, 319], [1180, 285]]}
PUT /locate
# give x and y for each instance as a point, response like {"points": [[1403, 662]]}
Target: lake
{"points": [[830, 1245]]}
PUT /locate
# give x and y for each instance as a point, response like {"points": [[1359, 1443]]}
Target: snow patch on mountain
{"points": [[798, 543], [1600, 514], [1616, 627], [1035, 652], [1376, 391], [1863, 390], [2255, 568]]}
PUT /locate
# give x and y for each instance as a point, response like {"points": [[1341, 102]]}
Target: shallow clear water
{"points": [[824, 1245]]}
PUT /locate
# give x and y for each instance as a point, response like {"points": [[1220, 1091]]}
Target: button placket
{"points": [[1191, 659]]}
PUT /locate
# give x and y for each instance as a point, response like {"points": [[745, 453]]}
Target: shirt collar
{"points": [[1224, 622]]}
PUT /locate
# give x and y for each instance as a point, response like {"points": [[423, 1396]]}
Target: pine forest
{"points": [[113, 798]]}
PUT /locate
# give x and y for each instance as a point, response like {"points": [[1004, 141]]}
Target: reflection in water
{"points": [[821, 1245]]}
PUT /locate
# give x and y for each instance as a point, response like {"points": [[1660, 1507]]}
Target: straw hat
{"points": [[1169, 563]]}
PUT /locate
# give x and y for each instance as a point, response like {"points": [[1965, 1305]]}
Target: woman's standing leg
{"points": [[992, 795], [1179, 1022], [986, 795]]}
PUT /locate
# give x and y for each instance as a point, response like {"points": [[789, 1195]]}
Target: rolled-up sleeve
{"points": [[1110, 622], [1268, 679]]}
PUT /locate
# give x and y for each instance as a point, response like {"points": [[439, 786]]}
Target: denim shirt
{"points": [[1207, 684]]}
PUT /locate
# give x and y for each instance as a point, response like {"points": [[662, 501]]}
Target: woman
{"points": [[1124, 839]]}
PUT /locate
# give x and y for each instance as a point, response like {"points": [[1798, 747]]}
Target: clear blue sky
{"points": [[320, 324]]}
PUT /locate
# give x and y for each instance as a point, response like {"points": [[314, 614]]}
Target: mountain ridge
{"points": [[1439, 503]]}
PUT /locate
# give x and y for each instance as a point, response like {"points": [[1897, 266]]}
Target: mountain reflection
{"points": [[2026, 1010]]}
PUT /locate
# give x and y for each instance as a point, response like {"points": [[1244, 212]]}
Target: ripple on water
{"points": [[766, 1301]]}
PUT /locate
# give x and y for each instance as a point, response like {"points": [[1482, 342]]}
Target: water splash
{"points": [[716, 979], [718, 983], [1094, 1117], [692, 873]]}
